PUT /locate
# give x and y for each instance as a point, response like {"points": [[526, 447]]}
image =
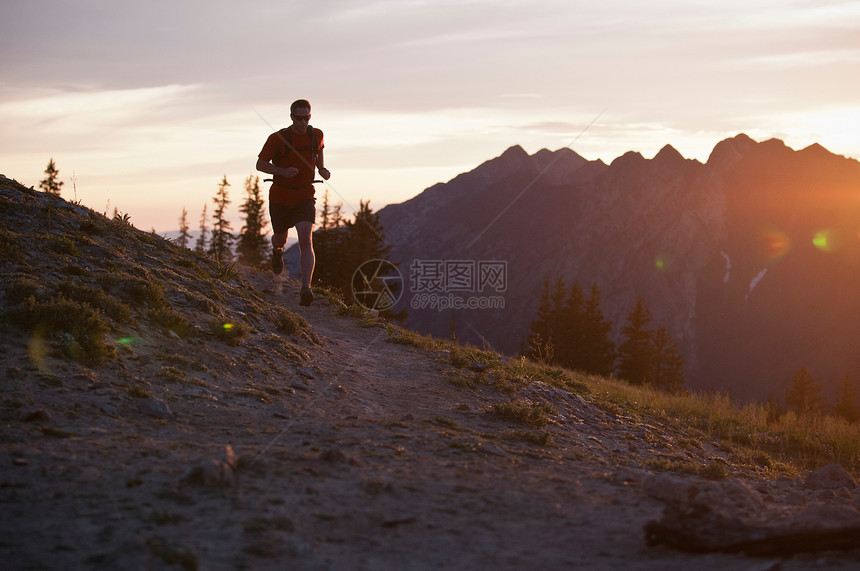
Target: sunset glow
{"points": [[151, 117]]}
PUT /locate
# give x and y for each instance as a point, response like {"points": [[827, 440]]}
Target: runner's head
{"points": [[300, 113]]}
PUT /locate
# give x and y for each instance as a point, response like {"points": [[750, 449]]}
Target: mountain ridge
{"points": [[613, 225]]}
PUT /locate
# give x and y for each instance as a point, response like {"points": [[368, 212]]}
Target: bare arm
{"points": [[324, 172], [268, 168]]}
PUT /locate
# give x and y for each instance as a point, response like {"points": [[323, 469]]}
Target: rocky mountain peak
{"points": [[628, 159], [728, 151], [513, 155], [668, 155]]}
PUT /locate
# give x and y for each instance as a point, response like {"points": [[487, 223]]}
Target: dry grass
{"points": [[523, 411], [805, 443]]}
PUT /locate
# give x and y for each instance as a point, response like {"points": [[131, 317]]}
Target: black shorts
{"points": [[285, 217]]}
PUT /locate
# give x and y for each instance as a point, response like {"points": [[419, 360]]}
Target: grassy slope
{"points": [[87, 290]]}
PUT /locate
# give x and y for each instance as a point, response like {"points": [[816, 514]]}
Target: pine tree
{"points": [[846, 400], [222, 239], [328, 240], [538, 344], [570, 330], [803, 395], [667, 366], [342, 247], [364, 241], [184, 237], [598, 348], [557, 298], [253, 246], [330, 215], [201, 244], [544, 341], [636, 351], [50, 184], [366, 235], [568, 334]]}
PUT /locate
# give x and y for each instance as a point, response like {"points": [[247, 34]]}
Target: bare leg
{"points": [[306, 251]]}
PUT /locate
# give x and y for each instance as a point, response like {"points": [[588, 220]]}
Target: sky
{"points": [[146, 106]]}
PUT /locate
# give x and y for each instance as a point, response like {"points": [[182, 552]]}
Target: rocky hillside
{"points": [[162, 412], [748, 259]]}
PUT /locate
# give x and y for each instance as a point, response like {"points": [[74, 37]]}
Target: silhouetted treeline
{"points": [[342, 246], [251, 244], [571, 331], [803, 396]]}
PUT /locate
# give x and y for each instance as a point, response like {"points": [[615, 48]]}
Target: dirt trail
{"points": [[364, 455]]}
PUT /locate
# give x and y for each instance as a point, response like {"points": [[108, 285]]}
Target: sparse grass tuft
{"points": [[226, 272], [366, 317], [168, 317], [465, 356], [20, 288], [458, 379], [290, 351], [141, 291], [332, 295], [186, 263], [173, 374], [138, 392], [287, 321], [10, 248], [97, 298], [403, 336], [232, 333], [80, 328], [523, 411], [61, 245], [710, 471], [75, 270]]}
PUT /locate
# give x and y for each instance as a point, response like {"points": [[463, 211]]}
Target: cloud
{"points": [[174, 91]]}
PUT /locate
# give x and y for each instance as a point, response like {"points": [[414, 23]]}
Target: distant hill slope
{"points": [[748, 259]]}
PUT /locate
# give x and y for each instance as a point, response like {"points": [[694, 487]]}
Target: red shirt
{"points": [[290, 191]]}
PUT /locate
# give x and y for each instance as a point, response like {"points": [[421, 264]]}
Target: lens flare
{"points": [[37, 349], [227, 326], [663, 263], [824, 240], [776, 245]]}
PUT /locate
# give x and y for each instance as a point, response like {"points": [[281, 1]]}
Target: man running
{"points": [[291, 155]]}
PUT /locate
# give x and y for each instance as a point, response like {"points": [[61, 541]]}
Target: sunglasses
{"points": [[300, 117]]}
